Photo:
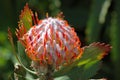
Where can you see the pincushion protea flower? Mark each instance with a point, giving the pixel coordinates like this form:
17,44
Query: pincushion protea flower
51,41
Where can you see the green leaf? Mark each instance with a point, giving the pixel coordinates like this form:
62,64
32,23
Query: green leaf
104,10
22,55
62,78
95,51
83,72
90,70
87,65
23,59
115,40
93,26
26,17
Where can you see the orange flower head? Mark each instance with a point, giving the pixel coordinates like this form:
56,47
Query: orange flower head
51,41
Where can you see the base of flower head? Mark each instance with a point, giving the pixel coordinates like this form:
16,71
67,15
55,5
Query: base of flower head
44,71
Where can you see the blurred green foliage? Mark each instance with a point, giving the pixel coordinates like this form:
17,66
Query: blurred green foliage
94,20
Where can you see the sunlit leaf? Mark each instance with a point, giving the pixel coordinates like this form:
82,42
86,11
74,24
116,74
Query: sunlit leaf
90,70
26,17
88,64
95,51
105,7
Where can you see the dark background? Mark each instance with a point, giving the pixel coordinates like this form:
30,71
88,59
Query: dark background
93,20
